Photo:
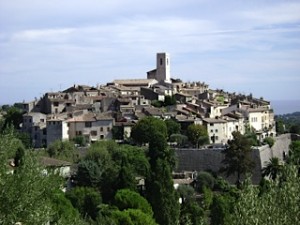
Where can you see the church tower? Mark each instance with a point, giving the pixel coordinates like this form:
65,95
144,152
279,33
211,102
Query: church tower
163,70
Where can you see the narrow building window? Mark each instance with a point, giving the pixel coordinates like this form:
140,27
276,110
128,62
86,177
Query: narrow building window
161,61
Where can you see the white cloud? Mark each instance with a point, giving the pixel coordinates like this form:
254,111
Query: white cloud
42,34
287,12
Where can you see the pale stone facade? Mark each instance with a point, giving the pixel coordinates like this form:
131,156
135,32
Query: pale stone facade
57,129
93,128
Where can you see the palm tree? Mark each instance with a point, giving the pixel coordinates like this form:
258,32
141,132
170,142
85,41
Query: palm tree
272,168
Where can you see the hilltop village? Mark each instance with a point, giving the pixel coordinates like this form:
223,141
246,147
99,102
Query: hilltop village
96,112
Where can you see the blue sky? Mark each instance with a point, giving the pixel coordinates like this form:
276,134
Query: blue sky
239,46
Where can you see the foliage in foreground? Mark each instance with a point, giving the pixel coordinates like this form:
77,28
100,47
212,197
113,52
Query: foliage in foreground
279,205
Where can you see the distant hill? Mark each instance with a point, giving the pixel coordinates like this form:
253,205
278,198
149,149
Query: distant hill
291,121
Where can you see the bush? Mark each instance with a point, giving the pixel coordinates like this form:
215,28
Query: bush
270,141
205,179
80,140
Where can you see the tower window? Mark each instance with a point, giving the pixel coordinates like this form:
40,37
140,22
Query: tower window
161,61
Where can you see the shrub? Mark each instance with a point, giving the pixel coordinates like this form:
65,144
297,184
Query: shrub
270,141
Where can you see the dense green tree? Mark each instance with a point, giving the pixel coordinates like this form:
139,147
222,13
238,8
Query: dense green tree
9,145
251,136
142,132
272,168
169,100
127,199
63,150
156,103
237,156
159,184
25,195
28,192
278,205
86,200
220,209
65,213
121,217
19,156
96,166
13,117
204,179
280,127
80,140
172,127
110,167
186,193
193,214
132,217
294,153
118,133
89,173
25,138
138,217
207,197
295,129
190,211
180,139
197,134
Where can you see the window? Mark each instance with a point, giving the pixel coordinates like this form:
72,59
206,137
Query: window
216,130
161,61
42,120
211,124
216,138
101,129
211,131
108,129
78,133
55,104
88,124
94,133
102,136
56,111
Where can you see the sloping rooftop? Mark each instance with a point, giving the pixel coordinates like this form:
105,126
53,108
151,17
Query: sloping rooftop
213,120
134,81
47,161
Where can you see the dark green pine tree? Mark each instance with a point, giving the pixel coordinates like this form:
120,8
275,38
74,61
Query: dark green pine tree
238,156
159,184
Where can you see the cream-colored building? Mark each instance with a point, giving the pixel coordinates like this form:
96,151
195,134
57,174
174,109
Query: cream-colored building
92,127
259,119
217,130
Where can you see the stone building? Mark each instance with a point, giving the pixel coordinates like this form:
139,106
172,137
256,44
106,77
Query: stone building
57,129
162,73
93,127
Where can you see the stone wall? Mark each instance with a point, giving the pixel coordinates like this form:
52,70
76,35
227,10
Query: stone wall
211,159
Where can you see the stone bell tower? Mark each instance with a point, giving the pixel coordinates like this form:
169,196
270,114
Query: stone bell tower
163,70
